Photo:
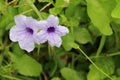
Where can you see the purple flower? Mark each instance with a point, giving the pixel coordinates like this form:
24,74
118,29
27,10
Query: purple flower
24,32
51,31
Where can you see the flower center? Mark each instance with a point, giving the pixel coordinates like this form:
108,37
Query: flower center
51,29
29,30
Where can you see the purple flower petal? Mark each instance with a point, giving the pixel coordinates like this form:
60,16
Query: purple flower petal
54,40
27,44
43,24
31,23
41,37
53,21
24,32
51,32
61,30
19,20
16,33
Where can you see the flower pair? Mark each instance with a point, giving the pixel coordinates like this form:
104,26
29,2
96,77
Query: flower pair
28,30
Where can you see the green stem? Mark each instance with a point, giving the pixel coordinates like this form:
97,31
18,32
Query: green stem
34,8
10,77
45,6
107,55
55,66
44,75
30,10
94,64
38,50
71,28
49,51
102,42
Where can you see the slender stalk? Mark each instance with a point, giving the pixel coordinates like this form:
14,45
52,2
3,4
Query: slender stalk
44,75
13,1
30,10
107,55
38,50
34,8
94,64
55,66
10,77
22,5
102,42
49,51
45,6
71,28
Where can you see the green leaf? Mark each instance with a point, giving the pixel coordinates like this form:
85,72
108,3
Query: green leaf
28,1
94,31
72,11
116,11
118,71
55,10
107,5
11,11
116,77
26,7
8,18
24,64
82,35
45,0
44,15
5,20
55,78
59,5
106,64
73,22
73,15
10,25
74,2
63,19
1,5
99,17
68,42
69,74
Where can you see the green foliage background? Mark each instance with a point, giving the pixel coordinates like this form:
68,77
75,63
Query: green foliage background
94,28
